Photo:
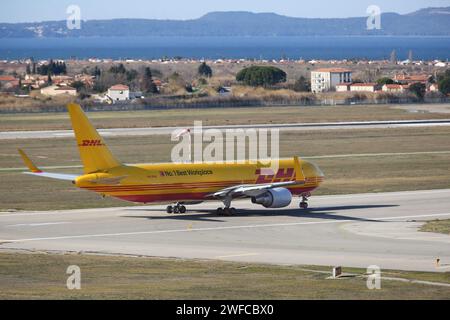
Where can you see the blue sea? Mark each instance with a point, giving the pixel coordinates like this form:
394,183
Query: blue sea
370,47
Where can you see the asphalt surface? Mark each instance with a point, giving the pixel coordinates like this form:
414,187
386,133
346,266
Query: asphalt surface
4,135
349,230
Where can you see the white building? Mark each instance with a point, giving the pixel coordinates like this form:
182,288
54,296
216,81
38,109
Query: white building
326,79
395,88
364,87
119,92
434,87
343,87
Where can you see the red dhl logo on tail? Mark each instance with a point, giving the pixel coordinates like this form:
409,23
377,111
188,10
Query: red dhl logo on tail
283,175
91,143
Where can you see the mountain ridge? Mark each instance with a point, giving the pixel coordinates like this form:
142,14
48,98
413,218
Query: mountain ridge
423,22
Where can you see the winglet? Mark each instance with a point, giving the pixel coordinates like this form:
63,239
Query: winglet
299,175
28,162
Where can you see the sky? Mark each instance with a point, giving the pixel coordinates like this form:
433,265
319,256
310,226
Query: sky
44,10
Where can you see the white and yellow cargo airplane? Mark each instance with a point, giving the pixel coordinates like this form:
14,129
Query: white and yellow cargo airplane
183,183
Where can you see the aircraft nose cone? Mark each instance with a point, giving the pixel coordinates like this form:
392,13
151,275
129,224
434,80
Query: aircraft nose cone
312,171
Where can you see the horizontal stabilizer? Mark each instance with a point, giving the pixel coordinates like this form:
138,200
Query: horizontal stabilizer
35,171
57,176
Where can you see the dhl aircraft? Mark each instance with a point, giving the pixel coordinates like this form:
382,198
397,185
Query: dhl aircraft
182,183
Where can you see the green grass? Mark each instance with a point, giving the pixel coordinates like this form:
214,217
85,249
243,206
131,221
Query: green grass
438,226
43,276
216,116
343,175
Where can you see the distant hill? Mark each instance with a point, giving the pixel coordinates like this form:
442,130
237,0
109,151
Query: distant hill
425,22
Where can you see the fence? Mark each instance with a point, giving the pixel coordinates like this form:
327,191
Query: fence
226,102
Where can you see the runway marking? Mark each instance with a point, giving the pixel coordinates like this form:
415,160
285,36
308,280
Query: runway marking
38,224
376,154
216,228
331,156
384,194
237,255
284,127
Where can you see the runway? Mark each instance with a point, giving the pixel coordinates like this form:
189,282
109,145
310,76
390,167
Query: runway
116,132
349,230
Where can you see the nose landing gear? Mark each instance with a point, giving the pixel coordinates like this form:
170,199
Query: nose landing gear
304,202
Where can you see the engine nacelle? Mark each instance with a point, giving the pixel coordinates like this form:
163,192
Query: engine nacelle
274,198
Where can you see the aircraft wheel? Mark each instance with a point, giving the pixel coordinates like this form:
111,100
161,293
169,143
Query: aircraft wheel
233,211
227,211
169,209
219,211
176,210
304,205
182,209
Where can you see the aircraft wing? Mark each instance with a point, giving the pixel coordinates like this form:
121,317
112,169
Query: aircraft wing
35,171
251,190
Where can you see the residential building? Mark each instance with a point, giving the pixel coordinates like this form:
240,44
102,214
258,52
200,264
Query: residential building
440,64
343,87
326,79
119,92
413,78
395,88
364,87
434,87
9,82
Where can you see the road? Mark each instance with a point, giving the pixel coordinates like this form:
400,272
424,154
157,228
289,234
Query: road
4,135
349,230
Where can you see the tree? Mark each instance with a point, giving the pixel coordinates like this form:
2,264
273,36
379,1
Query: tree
148,86
79,85
131,75
444,86
385,80
444,82
261,76
49,78
118,69
302,85
28,71
418,89
96,72
54,68
205,70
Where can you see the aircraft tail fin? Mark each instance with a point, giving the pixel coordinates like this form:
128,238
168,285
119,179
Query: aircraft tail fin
94,153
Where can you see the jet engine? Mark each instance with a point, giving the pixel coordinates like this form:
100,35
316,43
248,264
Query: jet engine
274,198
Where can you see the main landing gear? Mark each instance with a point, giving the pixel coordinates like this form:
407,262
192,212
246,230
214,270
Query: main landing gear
227,211
178,208
304,202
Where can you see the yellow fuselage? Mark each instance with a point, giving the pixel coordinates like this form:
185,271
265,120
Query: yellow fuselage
170,182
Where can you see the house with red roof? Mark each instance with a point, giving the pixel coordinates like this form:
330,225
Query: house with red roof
119,92
9,82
